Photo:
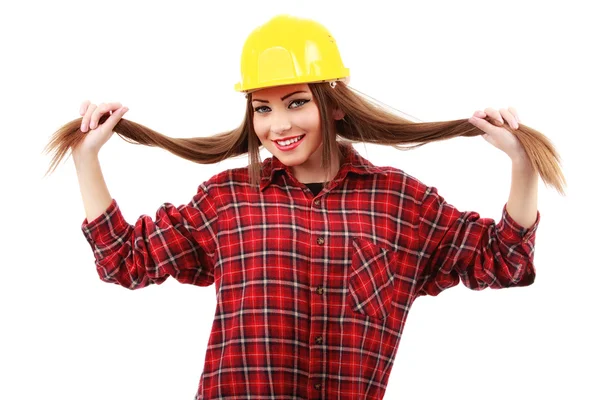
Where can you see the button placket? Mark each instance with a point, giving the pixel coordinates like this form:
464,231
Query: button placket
317,328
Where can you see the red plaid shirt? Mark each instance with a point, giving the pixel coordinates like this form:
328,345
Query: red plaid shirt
312,291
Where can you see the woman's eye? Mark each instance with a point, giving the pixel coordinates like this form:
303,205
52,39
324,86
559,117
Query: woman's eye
257,109
293,104
300,101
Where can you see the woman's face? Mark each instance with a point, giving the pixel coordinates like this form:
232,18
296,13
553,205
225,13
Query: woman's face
288,112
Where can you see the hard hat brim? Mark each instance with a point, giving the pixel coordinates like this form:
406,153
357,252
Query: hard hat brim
238,86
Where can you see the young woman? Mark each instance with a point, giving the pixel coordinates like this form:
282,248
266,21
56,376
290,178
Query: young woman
316,254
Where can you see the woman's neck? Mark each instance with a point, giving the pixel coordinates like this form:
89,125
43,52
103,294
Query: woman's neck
312,172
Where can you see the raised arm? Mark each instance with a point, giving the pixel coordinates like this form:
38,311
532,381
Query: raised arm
94,191
462,246
179,242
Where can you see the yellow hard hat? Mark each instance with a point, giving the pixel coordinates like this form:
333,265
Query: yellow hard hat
287,50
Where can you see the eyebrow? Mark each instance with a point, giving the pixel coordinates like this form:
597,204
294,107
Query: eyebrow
284,97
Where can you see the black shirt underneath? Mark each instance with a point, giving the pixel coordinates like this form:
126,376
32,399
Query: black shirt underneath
315,187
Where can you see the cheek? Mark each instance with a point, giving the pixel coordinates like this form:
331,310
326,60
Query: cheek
260,127
308,120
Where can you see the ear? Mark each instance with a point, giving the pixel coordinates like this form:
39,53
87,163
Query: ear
338,114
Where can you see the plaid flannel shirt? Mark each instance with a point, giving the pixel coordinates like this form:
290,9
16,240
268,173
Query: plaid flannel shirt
312,291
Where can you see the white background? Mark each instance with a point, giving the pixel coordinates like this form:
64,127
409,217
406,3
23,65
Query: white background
67,335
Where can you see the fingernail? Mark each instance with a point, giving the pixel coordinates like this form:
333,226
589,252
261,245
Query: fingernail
83,127
92,125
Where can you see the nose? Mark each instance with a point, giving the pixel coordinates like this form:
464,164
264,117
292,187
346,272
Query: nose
280,123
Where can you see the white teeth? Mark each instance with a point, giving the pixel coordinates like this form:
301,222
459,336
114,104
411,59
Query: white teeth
288,142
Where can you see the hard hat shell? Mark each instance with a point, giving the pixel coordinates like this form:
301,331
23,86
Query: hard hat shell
287,50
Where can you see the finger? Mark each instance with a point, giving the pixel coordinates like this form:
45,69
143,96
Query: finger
83,107
101,110
115,105
494,115
481,123
508,117
114,118
514,112
85,122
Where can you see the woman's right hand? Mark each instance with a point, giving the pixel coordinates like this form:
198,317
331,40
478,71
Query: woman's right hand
97,134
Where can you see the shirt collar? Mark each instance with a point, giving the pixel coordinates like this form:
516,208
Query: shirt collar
352,161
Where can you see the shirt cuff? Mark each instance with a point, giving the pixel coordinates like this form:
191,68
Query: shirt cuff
105,229
514,233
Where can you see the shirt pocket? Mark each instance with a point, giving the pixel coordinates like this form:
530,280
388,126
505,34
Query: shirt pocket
371,279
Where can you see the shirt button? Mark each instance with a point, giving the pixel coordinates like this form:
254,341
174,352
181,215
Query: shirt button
317,202
319,339
320,289
320,240
317,386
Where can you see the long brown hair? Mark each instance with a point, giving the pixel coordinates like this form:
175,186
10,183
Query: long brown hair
364,121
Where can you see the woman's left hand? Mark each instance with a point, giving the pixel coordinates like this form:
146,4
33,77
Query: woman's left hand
495,133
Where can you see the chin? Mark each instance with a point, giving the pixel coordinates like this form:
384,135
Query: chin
291,159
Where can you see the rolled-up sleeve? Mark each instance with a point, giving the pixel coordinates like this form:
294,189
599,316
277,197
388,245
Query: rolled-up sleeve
180,242
461,246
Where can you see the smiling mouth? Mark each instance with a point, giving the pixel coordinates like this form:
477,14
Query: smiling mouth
286,141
